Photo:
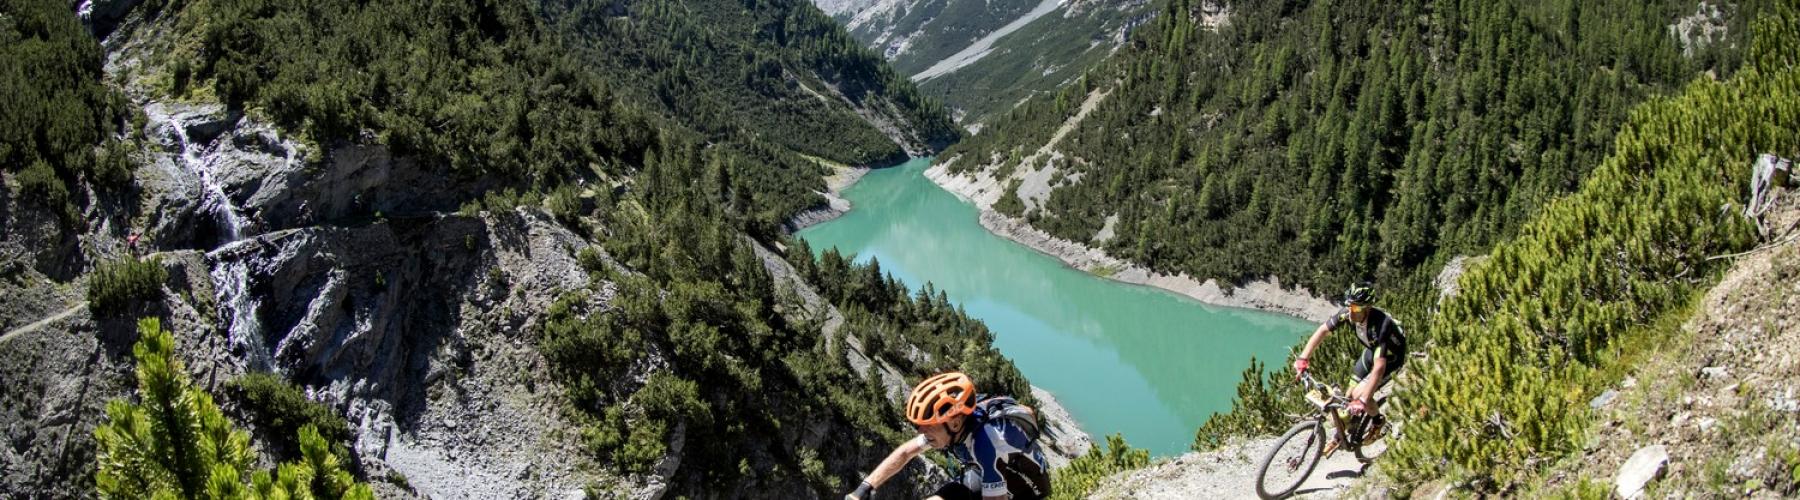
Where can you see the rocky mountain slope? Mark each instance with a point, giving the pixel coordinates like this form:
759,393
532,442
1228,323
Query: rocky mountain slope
1036,60
915,35
428,273
1715,411
983,58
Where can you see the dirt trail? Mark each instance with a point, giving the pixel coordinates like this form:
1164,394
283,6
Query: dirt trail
1228,472
44,322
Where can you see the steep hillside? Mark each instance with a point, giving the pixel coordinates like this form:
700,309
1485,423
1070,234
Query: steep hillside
1325,142
1716,399
982,58
1629,330
517,250
1036,59
913,35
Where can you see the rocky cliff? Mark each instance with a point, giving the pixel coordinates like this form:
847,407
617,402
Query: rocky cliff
371,277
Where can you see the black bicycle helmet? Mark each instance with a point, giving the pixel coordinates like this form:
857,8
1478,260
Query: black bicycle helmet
1360,294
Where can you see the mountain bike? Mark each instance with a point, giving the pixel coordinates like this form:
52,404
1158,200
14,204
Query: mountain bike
1294,456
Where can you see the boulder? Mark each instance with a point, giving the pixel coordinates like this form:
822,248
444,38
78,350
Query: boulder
1603,399
1644,466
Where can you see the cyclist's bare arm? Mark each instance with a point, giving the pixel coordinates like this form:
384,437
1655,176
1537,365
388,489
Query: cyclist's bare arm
1313,343
897,460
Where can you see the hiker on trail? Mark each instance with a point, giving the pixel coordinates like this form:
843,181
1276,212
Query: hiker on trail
131,244
1384,348
994,438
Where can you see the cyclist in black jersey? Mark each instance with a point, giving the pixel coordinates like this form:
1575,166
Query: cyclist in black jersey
1384,345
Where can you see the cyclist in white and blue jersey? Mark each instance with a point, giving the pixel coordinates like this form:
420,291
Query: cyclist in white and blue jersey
994,438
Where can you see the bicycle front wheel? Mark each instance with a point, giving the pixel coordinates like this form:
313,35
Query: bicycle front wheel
1291,459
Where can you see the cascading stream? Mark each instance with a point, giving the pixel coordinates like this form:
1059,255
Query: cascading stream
237,305
230,271
226,215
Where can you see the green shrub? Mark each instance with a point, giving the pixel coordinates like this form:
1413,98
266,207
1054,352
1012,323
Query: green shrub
176,443
119,286
113,167
1787,455
564,204
588,352
57,107
181,75
398,478
669,396
1526,342
590,260
1256,411
1010,203
1086,472
280,409
633,443
813,470
39,182
1584,489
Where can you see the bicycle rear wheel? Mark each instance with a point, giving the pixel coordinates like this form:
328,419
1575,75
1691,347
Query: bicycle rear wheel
1369,450
1291,459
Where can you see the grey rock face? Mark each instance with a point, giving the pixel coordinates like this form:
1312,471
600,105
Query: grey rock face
219,176
188,204
403,325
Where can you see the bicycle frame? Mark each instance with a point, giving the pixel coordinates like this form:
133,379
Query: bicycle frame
1347,432
1332,404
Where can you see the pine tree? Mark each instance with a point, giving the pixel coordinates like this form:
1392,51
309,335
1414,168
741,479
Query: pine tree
175,443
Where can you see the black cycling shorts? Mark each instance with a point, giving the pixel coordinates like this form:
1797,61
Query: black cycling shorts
956,491
1395,361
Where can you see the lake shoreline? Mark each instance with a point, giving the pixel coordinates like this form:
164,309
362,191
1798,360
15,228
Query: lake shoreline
841,178
1063,438
1178,359
1263,295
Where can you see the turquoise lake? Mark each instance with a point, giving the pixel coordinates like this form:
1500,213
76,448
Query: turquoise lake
1122,358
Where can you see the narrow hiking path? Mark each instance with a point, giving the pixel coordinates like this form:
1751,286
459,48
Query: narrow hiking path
1228,472
43,322
69,311
981,48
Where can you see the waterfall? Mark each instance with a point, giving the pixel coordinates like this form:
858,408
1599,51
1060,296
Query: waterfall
225,212
238,307
230,273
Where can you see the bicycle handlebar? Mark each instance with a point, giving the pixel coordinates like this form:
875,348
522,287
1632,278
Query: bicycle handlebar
1332,395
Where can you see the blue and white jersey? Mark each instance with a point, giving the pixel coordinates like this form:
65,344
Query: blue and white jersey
998,450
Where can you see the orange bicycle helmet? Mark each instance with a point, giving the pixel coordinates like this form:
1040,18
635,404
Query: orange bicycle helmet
940,398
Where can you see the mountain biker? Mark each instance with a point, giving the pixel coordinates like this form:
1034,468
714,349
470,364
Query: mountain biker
1384,348
994,438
